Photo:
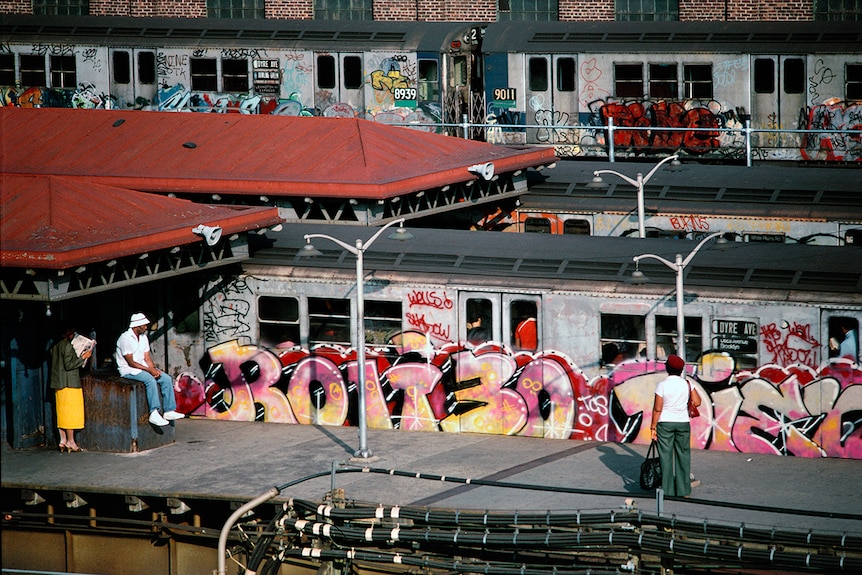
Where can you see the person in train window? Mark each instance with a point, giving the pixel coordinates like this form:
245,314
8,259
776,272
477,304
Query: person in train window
134,362
526,336
848,348
671,428
476,332
66,383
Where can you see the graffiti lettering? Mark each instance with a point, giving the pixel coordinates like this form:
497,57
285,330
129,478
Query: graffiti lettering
430,299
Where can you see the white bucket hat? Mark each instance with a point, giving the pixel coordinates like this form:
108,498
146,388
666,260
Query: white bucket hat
138,319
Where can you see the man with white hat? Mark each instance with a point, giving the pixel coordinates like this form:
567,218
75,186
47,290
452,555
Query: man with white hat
134,362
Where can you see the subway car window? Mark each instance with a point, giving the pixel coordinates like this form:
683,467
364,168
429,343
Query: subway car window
33,70
566,74
665,337
764,75
537,225
853,86
147,67
7,69
525,325
328,321
278,320
326,72
204,74
628,80
382,321
234,75
697,81
844,337
538,73
352,71
623,337
794,76
122,67
662,81
480,313
63,74
576,227
429,80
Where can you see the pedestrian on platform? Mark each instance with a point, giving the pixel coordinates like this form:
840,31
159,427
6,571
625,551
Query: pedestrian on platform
135,362
66,383
671,428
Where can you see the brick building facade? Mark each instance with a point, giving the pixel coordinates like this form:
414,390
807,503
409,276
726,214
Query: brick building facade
442,10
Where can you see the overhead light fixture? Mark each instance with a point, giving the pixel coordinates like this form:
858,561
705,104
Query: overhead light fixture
175,250
216,197
395,200
30,272
211,234
111,263
172,195
143,256
277,228
264,199
353,201
445,188
233,237
420,194
308,200
80,269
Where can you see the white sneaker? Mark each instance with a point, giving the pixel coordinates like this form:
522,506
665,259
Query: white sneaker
157,419
172,415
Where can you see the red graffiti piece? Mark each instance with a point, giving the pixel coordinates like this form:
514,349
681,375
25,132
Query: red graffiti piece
662,114
191,396
795,345
429,298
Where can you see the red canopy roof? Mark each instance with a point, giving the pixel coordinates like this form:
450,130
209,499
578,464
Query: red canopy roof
244,154
56,222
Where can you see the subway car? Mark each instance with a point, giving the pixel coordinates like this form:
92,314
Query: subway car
586,88
528,334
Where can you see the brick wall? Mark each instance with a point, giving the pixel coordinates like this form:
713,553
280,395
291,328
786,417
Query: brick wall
451,10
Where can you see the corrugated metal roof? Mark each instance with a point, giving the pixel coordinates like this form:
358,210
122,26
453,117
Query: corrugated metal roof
245,154
55,222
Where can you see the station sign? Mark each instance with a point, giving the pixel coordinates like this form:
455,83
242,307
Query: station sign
734,335
267,76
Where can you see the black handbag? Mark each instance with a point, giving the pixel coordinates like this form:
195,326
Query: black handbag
651,469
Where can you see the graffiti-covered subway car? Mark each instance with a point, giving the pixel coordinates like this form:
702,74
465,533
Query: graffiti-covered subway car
568,347
669,76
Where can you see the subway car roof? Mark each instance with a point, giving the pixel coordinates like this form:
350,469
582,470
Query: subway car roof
335,35
530,261
764,190
674,37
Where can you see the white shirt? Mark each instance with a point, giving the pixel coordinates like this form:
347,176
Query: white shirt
674,393
138,347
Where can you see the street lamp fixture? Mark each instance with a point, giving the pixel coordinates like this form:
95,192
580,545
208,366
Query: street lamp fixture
639,182
358,250
678,265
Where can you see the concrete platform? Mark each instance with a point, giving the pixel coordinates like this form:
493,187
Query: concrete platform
237,461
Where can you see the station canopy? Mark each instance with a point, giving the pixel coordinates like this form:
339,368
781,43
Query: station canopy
336,170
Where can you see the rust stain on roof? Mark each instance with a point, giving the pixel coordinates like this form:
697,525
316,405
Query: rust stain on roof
244,154
57,222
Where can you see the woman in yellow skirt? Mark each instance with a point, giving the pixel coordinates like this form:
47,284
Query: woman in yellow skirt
66,381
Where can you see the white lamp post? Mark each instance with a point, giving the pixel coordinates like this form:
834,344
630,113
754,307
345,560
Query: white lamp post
678,265
638,183
358,250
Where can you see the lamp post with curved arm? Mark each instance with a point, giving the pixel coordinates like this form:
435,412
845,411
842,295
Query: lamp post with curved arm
678,265
639,182
358,250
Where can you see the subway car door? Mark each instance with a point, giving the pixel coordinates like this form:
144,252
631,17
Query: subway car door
551,98
778,96
133,77
338,82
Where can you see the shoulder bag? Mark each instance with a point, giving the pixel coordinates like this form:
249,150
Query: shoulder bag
651,469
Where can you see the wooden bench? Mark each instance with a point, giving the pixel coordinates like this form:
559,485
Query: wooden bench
116,416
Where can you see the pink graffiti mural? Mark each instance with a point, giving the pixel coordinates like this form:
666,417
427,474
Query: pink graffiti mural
782,409
792,343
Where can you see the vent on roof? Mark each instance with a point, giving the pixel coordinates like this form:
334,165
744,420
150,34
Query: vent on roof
706,275
731,37
91,31
126,31
63,30
256,34
155,32
318,35
355,36
186,33
833,281
587,38
478,264
549,37
621,37
845,37
767,37
287,35
389,37
796,196
772,278
656,37
544,268
428,262
220,34
691,37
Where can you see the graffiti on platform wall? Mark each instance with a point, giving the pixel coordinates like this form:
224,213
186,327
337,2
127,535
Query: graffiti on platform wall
783,409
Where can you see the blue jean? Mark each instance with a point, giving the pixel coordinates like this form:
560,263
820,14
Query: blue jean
674,452
153,385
